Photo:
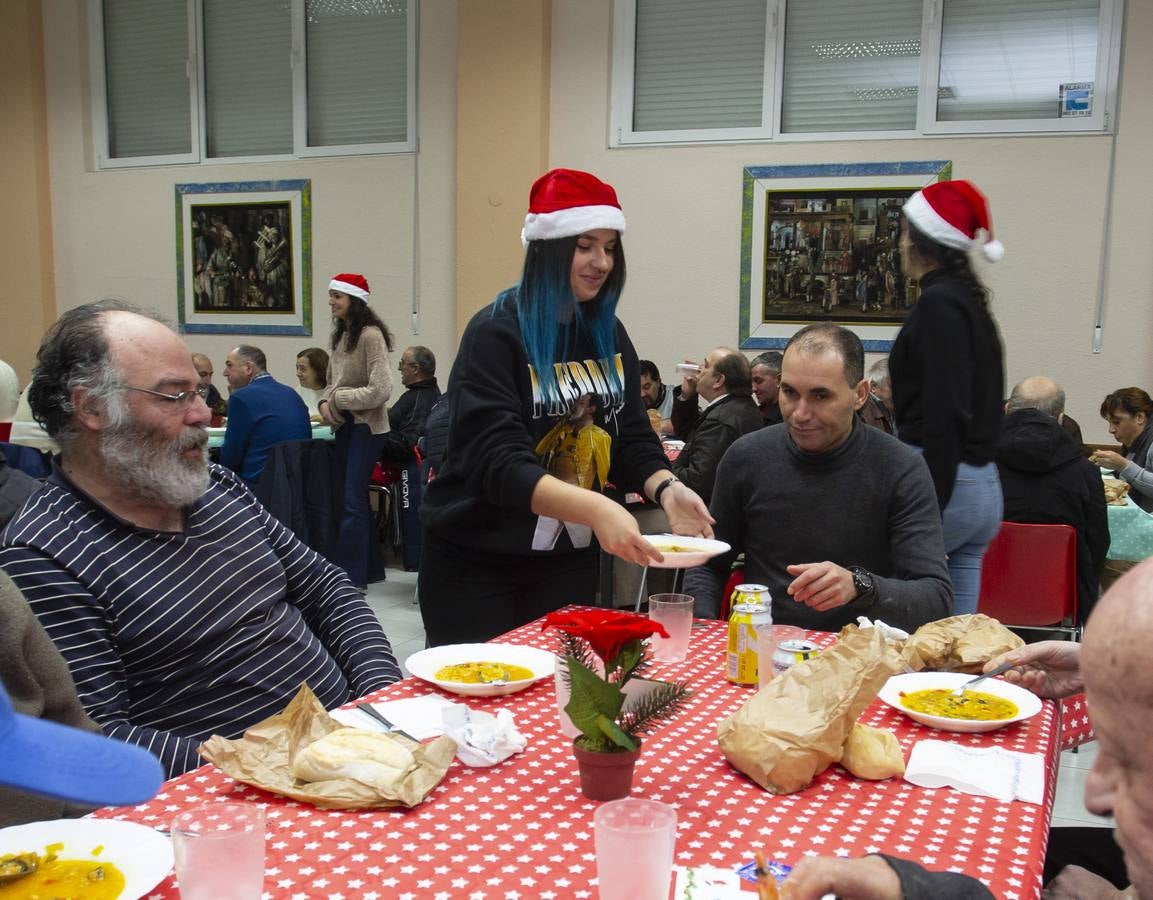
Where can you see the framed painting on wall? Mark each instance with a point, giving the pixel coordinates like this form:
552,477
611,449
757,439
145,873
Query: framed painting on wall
244,257
819,244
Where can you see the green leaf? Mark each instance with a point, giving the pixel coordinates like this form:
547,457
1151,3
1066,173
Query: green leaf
628,658
613,732
591,698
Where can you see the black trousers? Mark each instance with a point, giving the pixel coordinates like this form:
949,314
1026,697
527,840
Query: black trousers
468,596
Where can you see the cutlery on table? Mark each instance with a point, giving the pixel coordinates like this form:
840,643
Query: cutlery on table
369,710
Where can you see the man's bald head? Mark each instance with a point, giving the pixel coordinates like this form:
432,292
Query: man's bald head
1115,662
1038,392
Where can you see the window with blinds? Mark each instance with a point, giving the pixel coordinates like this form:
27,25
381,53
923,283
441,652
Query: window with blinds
357,72
252,79
146,69
762,70
1008,60
699,65
851,67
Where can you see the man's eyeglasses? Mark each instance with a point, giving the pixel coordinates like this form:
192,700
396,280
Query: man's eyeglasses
183,400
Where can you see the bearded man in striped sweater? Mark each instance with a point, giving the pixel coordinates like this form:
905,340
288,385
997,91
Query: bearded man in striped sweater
182,607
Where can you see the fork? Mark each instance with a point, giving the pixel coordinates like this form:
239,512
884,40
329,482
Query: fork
967,685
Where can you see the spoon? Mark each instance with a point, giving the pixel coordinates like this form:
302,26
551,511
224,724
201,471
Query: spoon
967,685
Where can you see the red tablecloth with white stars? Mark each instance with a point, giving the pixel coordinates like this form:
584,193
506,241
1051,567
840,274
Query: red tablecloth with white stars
523,829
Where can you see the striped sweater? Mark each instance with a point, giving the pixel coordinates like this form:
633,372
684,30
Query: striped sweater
174,637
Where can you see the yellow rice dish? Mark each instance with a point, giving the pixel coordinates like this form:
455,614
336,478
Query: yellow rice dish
60,879
483,673
972,705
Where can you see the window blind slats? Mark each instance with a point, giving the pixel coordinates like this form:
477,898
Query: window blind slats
357,73
248,77
851,67
1008,61
146,77
699,65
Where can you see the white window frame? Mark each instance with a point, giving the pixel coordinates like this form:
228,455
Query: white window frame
198,113
621,133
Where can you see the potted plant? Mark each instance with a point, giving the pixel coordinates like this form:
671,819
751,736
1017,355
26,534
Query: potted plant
603,651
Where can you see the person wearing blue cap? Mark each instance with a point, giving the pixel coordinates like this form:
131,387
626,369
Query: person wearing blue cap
53,760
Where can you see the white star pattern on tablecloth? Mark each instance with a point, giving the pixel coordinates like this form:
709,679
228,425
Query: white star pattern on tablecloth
522,829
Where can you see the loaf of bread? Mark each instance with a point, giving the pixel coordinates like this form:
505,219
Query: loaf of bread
367,756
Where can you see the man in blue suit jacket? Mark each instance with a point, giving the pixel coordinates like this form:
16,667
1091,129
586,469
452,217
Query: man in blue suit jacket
262,413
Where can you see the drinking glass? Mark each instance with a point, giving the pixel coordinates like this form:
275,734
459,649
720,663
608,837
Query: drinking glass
768,638
219,849
675,613
634,844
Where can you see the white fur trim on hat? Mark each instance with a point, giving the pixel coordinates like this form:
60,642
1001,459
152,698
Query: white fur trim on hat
928,221
351,289
570,222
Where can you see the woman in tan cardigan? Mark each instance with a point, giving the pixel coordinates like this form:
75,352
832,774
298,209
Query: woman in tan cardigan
359,385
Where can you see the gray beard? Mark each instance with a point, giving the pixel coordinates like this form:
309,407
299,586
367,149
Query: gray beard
153,471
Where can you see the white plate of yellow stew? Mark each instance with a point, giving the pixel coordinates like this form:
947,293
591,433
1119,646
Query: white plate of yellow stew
927,697
481,670
98,859
682,552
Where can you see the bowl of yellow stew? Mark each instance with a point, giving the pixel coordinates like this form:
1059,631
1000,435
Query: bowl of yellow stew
927,697
481,670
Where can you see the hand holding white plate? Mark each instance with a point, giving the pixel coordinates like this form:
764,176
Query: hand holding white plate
683,552
424,664
1027,703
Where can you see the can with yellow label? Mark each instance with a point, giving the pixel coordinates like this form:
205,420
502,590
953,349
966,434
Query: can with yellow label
750,613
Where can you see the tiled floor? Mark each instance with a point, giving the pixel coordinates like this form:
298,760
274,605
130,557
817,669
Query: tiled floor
394,602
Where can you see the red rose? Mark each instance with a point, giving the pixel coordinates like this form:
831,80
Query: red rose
606,630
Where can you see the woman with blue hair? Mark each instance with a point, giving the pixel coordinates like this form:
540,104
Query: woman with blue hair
510,517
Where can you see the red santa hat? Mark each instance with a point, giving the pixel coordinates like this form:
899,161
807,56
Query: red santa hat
565,203
352,284
954,213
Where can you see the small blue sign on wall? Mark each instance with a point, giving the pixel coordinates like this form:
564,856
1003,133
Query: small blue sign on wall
1076,99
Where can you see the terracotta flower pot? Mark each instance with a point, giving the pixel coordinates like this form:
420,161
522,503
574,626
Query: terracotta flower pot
606,776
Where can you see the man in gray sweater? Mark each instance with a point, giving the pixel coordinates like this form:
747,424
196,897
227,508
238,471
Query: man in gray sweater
838,519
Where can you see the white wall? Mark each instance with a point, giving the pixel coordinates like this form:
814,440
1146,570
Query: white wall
114,230
683,206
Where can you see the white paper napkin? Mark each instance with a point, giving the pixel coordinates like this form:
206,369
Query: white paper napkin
482,739
891,632
419,716
986,771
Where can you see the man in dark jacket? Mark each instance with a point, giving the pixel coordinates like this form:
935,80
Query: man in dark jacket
407,417
725,384
1046,480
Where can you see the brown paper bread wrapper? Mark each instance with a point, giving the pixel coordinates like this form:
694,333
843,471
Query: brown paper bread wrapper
263,757
795,726
959,644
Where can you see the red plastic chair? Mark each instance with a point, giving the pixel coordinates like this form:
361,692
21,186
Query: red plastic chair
737,576
1029,578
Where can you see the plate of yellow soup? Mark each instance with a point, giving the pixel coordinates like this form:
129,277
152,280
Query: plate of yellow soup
927,697
481,670
98,859
682,552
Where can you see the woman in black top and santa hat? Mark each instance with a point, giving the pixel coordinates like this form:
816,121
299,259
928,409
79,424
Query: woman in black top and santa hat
509,519
947,372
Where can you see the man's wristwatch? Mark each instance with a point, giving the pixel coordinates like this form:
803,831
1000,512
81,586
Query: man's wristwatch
863,582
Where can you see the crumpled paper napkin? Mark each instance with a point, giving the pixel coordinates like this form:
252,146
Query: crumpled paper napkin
986,771
891,632
482,739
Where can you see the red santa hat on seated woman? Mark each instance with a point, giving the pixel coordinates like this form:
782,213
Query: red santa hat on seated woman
352,284
565,203
954,213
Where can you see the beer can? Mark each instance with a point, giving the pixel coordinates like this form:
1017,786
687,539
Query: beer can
789,653
750,613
